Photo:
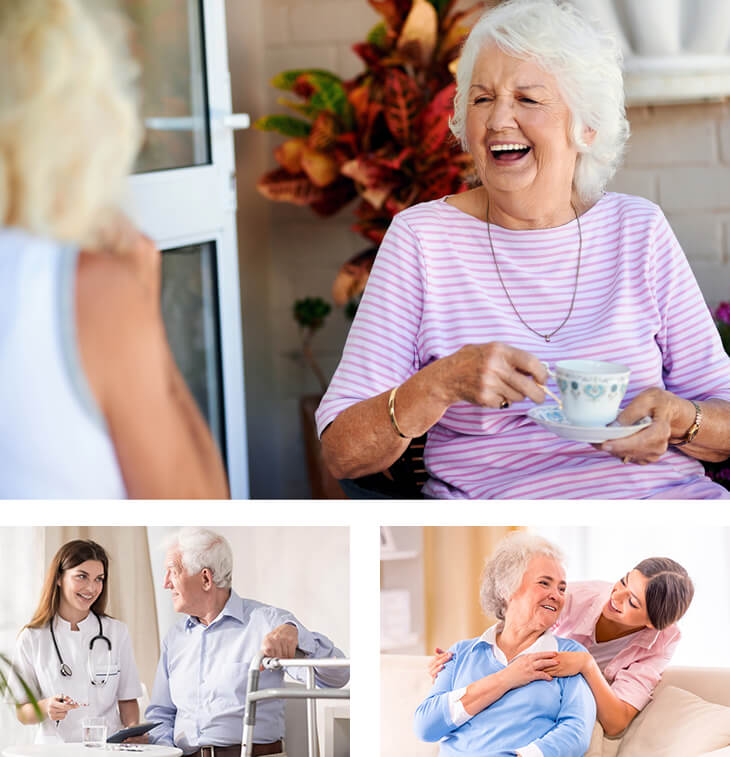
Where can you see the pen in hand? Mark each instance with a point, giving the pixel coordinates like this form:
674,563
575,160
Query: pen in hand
59,698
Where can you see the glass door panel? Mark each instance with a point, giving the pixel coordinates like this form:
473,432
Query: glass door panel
167,43
190,312
190,211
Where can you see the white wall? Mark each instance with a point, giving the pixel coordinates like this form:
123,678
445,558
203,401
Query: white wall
302,569
608,552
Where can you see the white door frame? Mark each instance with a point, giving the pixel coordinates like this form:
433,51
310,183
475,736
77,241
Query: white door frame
197,205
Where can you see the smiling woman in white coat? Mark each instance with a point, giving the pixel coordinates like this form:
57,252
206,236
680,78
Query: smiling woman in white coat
77,659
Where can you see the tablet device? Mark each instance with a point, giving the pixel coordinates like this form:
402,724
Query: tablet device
128,733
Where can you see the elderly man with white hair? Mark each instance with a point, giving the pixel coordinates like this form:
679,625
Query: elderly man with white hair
200,685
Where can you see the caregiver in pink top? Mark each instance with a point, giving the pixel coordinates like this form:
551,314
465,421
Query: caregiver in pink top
629,629
469,293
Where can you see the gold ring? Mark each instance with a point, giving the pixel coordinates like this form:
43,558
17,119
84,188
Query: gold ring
504,404
626,459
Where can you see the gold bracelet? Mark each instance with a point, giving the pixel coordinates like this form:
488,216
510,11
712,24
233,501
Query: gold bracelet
391,413
692,430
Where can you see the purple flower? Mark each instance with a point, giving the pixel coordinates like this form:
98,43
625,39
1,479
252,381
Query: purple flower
722,314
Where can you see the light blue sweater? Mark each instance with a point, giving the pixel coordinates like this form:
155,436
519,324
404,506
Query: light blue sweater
555,716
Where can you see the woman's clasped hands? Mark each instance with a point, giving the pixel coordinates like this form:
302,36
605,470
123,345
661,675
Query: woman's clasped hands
529,667
493,375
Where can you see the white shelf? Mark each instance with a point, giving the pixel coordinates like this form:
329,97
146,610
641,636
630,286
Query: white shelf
389,645
398,554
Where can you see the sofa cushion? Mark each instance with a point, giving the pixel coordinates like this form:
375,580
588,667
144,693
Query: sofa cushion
677,723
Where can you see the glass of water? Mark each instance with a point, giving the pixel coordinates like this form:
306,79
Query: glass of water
93,732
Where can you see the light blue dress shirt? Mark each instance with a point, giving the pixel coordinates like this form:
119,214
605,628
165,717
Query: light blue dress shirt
199,692
549,718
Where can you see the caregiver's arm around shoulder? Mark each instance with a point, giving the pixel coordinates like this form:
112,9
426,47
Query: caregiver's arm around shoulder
164,447
363,438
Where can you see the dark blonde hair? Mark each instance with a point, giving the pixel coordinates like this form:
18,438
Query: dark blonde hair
70,555
669,590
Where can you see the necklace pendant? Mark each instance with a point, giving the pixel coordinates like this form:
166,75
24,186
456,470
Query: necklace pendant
546,337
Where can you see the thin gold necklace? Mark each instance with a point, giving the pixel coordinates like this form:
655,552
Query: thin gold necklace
546,337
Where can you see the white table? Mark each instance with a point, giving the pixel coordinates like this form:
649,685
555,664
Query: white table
79,750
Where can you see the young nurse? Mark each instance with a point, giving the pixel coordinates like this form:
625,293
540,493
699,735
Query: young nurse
629,629
74,657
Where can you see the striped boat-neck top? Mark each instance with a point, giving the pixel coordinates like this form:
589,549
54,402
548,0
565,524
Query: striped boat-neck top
434,288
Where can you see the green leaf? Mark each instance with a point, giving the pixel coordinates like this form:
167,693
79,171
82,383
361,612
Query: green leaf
286,125
378,35
311,312
7,693
331,96
440,5
304,109
285,80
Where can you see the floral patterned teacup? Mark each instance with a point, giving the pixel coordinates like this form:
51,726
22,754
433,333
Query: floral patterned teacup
591,390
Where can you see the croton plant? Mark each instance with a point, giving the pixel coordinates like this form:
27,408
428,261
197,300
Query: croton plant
382,137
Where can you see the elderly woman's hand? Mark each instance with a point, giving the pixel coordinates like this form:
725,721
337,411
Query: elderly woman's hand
490,374
437,662
568,664
529,667
671,417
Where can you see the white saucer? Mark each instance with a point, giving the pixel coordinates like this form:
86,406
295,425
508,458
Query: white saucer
551,417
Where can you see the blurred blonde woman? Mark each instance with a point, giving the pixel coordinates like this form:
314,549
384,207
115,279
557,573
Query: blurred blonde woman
91,401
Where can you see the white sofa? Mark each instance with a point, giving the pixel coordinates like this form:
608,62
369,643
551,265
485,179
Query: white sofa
404,683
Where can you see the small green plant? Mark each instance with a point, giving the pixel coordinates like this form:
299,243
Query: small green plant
310,313
7,695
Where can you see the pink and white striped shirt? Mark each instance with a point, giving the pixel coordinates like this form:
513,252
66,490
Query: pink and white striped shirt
635,670
434,289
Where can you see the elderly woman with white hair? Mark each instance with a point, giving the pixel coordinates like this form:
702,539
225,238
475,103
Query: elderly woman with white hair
495,697
469,294
91,401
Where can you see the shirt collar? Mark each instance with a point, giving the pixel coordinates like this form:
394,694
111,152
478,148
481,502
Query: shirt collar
233,608
63,625
545,643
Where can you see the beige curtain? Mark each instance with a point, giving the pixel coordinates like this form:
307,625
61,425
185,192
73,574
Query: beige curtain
453,559
130,588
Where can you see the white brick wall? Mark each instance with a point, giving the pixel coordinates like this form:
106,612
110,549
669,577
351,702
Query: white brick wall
679,157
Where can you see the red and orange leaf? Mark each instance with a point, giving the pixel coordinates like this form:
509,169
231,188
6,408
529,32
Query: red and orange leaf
402,102
289,154
281,186
419,34
393,11
324,131
435,120
334,197
370,54
321,167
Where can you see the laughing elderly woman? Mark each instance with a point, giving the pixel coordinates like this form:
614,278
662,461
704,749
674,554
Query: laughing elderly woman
496,697
470,293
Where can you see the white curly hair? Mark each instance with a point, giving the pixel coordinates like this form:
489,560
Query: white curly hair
202,548
504,570
586,64
69,123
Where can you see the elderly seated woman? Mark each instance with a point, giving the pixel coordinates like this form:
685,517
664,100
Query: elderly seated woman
470,293
496,697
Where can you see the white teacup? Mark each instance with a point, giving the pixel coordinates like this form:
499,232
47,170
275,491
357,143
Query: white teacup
591,390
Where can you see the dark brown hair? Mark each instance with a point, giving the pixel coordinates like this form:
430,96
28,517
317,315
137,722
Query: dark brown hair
669,590
70,555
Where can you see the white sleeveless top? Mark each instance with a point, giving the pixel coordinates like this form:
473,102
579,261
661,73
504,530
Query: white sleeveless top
54,442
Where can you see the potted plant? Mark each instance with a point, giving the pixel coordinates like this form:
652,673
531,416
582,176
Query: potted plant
381,138
10,682
310,313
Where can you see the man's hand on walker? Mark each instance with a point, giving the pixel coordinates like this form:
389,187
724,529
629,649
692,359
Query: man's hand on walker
281,642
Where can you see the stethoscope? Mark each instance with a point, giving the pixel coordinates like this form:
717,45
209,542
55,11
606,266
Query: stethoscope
66,671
